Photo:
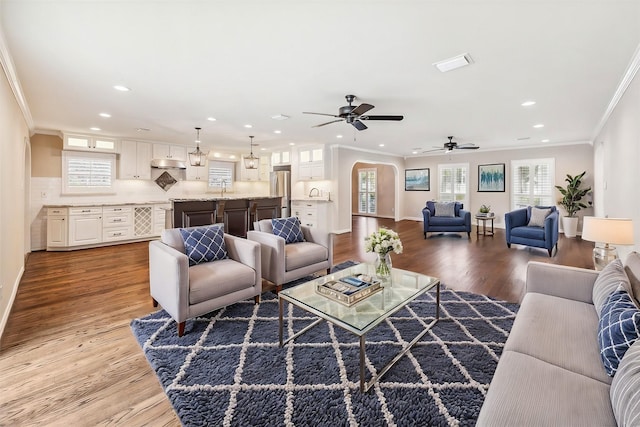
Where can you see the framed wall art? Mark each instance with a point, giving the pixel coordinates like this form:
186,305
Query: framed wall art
417,180
491,178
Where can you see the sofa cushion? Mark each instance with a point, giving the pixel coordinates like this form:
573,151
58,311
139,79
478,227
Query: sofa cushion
526,391
288,228
526,232
632,269
537,217
445,221
446,209
431,205
611,276
303,254
618,329
214,279
204,244
572,347
625,388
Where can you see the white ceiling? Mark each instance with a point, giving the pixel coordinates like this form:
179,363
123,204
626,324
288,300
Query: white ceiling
243,62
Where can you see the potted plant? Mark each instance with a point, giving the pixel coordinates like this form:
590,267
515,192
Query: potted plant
571,196
485,209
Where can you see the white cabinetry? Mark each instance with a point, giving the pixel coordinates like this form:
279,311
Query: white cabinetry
281,158
143,221
311,164
85,225
135,160
159,217
260,174
57,229
312,213
90,143
117,223
165,151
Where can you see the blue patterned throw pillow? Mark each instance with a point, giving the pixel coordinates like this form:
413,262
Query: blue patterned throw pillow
288,228
618,329
204,244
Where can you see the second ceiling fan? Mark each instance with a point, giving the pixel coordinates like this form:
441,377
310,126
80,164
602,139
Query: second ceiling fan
452,145
354,115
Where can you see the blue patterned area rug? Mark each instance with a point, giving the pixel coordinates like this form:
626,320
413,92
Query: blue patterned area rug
229,370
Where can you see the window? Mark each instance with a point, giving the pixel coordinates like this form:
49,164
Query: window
532,182
88,173
367,191
453,183
220,175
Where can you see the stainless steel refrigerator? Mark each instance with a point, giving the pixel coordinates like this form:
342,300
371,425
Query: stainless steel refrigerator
281,186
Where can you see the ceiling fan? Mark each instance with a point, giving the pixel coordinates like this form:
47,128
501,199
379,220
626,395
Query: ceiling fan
452,145
354,115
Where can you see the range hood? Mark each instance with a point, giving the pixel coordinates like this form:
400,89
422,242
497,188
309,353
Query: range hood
168,164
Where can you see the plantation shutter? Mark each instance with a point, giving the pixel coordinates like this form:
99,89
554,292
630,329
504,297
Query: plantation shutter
219,173
453,183
367,191
88,172
532,183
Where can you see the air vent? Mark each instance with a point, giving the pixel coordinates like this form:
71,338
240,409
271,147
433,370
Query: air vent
453,63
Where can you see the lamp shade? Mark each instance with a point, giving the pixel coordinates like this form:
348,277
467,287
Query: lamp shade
615,231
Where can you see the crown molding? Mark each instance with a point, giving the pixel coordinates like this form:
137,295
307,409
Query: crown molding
14,83
629,75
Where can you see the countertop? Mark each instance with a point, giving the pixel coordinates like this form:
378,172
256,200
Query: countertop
85,204
312,199
209,199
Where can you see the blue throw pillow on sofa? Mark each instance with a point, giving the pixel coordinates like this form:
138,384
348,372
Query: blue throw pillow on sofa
204,244
288,228
618,329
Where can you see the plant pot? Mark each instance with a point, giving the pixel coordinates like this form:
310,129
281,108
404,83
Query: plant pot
570,226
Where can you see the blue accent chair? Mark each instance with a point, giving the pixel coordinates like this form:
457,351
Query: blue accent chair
520,233
461,222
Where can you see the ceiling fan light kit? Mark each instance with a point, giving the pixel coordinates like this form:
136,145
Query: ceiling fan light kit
354,115
251,162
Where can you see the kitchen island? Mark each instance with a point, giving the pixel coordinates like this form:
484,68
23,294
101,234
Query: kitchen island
236,213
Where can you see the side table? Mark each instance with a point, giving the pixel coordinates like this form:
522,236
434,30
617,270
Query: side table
484,220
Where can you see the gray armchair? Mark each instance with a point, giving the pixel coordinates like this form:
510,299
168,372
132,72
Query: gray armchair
282,263
188,291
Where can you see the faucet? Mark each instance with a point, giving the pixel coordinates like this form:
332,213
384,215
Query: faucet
223,186
317,192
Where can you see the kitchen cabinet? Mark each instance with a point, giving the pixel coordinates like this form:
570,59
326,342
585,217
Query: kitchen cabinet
281,158
192,213
135,160
143,217
311,164
85,226
263,209
90,143
166,151
57,227
312,213
159,218
235,216
260,174
117,223
265,168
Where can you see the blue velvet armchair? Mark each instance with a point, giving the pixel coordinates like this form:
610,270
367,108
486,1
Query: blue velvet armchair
519,232
433,223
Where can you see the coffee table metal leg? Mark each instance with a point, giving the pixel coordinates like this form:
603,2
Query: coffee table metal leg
366,386
280,319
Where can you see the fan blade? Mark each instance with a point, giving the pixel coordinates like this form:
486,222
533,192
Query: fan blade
394,118
361,109
435,149
320,114
328,123
359,125
467,147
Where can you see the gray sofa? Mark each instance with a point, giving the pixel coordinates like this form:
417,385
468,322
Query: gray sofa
550,371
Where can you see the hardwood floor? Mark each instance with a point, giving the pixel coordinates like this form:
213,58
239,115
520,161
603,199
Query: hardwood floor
68,356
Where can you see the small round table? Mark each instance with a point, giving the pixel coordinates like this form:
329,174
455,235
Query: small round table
484,219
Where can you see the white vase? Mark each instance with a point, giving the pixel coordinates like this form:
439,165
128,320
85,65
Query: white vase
570,226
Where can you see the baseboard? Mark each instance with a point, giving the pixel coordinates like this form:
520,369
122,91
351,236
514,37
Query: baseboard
12,298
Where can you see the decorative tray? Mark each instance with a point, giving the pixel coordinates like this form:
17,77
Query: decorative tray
349,290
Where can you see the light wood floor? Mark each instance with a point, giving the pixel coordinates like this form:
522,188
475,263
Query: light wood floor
68,356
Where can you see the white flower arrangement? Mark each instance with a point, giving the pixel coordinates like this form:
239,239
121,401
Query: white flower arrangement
383,241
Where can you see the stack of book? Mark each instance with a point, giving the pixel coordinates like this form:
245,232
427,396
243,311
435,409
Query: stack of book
485,214
349,290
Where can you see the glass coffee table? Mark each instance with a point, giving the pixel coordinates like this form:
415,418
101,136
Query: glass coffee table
362,317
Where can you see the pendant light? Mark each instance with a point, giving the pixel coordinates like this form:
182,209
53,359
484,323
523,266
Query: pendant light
252,161
197,158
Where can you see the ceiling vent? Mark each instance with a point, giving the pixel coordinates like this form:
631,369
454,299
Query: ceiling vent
453,63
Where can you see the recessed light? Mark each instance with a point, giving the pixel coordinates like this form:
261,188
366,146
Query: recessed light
453,63
414,152
232,156
263,149
95,128
380,145
217,155
211,119
248,126
545,140
105,115
528,103
279,117
277,131
538,126
121,88
292,143
338,136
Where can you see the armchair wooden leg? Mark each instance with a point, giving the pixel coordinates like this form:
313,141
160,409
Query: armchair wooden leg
278,288
155,303
181,329
329,270
469,235
256,299
425,234
509,245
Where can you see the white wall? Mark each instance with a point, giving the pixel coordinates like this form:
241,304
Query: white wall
617,164
13,137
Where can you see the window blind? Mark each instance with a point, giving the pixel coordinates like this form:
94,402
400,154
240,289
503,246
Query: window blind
88,172
220,173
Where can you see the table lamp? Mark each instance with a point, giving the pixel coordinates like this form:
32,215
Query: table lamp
610,231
